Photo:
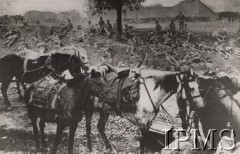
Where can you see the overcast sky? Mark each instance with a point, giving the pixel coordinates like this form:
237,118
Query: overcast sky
21,6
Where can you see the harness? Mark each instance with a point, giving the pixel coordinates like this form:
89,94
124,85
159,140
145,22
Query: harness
184,85
189,98
228,93
47,64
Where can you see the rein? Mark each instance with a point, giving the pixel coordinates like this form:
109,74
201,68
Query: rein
142,81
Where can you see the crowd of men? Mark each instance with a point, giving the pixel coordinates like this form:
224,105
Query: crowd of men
172,41
169,39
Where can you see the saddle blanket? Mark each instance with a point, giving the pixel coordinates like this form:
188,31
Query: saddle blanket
45,93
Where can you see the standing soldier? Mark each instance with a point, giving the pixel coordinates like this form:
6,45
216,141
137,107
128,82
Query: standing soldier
109,29
158,27
172,27
69,25
181,19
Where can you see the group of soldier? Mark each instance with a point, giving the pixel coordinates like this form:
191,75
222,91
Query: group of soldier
101,27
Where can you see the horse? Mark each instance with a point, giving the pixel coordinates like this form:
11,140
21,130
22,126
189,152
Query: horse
156,87
28,70
139,98
71,100
222,105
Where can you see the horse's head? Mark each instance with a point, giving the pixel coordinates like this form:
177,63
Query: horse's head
155,87
188,89
82,55
75,58
151,88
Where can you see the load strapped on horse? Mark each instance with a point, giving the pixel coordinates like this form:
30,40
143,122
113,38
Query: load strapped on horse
137,96
30,70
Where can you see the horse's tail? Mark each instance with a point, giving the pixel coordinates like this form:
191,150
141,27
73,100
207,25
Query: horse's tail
28,94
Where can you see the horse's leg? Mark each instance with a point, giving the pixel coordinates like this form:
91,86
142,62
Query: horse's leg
88,115
35,128
19,90
101,128
142,142
4,89
182,112
72,132
60,128
42,126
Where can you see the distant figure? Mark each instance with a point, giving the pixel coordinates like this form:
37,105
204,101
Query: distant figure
172,26
11,36
181,19
115,26
101,24
69,25
109,29
90,27
126,31
219,36
158,28
238,34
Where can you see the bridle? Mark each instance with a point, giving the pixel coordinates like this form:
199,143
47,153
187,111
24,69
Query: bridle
142,81
184,85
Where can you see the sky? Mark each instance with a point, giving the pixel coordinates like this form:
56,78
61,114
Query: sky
12,7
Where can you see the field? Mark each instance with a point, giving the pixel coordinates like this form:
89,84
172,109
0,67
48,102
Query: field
16,130
199,27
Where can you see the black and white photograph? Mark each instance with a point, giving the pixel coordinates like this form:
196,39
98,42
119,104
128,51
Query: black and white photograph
120,76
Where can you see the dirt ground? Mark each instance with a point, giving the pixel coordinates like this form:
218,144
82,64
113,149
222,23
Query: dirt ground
16,135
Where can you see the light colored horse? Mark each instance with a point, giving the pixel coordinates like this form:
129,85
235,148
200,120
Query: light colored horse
156,87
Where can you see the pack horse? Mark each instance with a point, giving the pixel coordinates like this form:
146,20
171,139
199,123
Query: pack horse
29,70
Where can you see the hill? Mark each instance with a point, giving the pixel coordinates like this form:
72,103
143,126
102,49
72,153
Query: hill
51,18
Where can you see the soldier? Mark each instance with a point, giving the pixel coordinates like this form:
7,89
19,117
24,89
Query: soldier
90,27
172,27
69,25
219,36
158,28
126,31
181,19
11,37
109,29
101,24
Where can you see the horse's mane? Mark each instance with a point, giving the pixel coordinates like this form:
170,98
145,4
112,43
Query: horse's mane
231,83
165,80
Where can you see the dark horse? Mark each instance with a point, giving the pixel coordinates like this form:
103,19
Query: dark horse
72,100
28,71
